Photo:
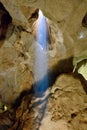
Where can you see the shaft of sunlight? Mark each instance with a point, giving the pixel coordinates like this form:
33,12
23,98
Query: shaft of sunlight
41,59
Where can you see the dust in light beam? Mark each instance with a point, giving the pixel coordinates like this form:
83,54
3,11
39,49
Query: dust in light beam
41,59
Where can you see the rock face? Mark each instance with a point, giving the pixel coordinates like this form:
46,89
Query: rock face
71,18
15,73
63,105
20,15
66,107
64,13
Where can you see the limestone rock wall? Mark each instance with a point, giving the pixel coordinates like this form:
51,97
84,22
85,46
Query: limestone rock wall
15,73
67,15
64,104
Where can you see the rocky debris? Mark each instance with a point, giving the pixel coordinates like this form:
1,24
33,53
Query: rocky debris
68,102
65,106
72,94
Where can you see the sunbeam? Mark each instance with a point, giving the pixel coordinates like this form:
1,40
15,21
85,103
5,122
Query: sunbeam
41,59
41,69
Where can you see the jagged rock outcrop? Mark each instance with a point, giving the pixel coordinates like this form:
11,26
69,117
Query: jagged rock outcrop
15,73
63,105
68,15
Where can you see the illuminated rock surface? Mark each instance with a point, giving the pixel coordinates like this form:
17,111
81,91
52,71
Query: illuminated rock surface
63,105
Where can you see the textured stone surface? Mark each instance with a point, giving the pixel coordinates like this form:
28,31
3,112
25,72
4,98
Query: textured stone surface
20,15
68,15
63,105
65,14
66,108
15,74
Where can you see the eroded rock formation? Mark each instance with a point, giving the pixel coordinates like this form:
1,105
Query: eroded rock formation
63,105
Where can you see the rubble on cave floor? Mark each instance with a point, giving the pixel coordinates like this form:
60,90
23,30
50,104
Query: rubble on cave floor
64,107
63,104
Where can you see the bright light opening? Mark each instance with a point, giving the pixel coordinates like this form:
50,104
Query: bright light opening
41,59
41,31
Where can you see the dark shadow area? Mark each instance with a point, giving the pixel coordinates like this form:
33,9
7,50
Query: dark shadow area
63,66
5,20
73,115
35,14
6,120
84,20
4,127
19,99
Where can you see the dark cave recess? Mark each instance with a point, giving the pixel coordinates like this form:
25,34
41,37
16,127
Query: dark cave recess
5,20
